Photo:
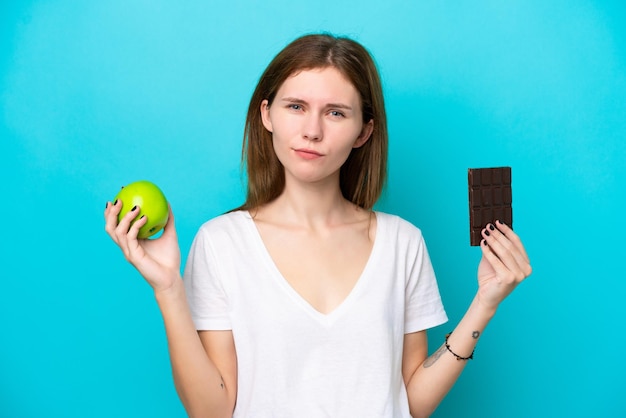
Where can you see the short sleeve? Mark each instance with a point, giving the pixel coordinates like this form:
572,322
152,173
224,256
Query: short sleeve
423,306
206,296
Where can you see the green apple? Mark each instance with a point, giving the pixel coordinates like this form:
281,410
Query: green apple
152,203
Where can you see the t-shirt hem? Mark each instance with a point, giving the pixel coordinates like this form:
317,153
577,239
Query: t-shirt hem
212,325
422,324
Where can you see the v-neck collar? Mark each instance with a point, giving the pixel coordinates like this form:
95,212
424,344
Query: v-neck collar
324,318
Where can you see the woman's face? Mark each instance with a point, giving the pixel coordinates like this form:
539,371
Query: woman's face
315,120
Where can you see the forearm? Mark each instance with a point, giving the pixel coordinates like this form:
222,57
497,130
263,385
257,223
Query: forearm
197,379
434,378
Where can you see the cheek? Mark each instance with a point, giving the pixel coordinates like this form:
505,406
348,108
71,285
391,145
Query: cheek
349,135
282,128
281,148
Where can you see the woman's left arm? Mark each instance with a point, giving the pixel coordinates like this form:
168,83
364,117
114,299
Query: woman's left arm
503,266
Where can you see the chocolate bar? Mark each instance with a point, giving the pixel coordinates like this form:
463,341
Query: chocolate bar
490,198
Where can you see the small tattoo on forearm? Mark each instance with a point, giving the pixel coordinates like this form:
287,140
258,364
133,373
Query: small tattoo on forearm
475,335
434,357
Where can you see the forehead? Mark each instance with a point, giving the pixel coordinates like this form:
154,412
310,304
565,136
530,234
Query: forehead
320,83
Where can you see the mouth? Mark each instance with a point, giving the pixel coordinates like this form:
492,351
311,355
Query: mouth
307,154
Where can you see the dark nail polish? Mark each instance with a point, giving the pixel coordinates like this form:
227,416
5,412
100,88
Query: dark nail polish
492,227
484,242
142,216
115,203
487,232
107,205
133,209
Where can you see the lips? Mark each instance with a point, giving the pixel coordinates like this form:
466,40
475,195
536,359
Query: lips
307,154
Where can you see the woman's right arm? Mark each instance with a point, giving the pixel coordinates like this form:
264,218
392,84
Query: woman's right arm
203,364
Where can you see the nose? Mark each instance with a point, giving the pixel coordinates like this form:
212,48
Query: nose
312,128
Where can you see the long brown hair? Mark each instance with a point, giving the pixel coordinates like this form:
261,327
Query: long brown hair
363,175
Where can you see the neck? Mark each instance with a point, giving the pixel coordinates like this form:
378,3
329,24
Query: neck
311,205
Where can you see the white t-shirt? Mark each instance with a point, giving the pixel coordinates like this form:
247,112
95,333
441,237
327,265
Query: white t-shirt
294,361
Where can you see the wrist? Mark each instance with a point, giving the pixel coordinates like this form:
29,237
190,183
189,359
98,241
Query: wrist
174,291
483,311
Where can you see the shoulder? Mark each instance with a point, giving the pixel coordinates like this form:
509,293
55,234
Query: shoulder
398,226
227,225
224,234
227,220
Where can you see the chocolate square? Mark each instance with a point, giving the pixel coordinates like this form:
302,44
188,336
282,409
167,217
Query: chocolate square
490,199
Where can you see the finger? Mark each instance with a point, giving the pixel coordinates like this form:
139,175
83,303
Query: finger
515,246
123,229
502,272
133,231
513,237
125,223
111,213
132,242
520,256
496,235
510,269
170,226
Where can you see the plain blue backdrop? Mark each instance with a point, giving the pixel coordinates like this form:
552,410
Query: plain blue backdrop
96,94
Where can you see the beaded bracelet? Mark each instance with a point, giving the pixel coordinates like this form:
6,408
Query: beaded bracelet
471,356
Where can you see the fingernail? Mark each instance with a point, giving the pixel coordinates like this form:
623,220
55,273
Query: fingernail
500,222
487,232
484,242
107,205
492,227
115,203
142,216
134,208
122,187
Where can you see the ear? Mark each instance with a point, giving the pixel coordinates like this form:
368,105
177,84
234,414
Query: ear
366,133
265,115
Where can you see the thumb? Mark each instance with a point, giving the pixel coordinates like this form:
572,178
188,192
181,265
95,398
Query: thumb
170,227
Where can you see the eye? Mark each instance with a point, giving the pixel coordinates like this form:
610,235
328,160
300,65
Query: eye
337,113
294,106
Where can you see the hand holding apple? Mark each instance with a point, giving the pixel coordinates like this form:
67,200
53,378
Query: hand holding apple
158,260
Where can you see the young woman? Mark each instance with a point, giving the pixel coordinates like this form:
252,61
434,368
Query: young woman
304,302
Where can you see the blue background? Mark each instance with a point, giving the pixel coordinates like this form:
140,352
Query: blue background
96,94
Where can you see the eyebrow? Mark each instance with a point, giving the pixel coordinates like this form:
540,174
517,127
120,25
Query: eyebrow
301,101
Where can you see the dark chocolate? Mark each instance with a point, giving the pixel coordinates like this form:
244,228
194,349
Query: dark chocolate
490,199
